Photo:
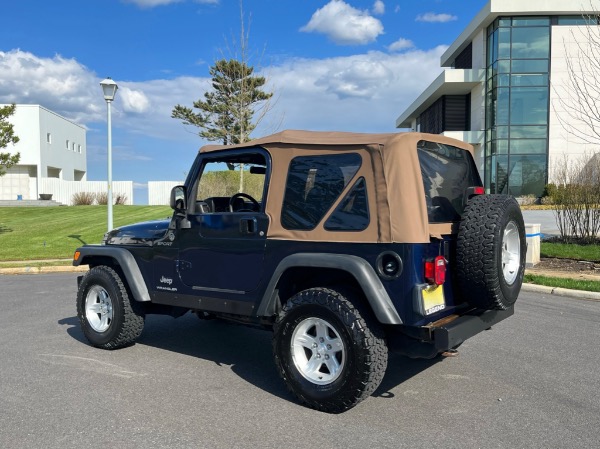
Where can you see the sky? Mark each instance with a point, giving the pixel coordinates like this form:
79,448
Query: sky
335,65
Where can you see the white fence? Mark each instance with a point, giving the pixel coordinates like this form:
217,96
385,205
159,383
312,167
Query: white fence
63,191
159,192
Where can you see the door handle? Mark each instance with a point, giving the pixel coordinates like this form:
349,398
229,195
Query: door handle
248,225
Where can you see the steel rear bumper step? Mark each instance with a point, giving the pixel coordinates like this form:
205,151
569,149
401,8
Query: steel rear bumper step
452,331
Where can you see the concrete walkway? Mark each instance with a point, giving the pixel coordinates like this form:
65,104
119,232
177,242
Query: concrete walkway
545,218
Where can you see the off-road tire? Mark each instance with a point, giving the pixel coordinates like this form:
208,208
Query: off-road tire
365,351
127,316
487,243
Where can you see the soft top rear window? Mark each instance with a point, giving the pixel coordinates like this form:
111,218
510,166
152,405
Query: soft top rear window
447,173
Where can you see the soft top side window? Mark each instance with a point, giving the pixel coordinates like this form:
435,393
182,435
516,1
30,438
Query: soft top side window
352,213
313,184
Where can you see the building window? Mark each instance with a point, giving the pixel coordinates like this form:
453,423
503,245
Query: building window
79,149
48,138
73,147
577,20
465,59
67,144
449,113
517,105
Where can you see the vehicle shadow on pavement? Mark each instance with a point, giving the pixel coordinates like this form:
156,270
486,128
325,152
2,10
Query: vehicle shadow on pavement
245,351
74,330
399,370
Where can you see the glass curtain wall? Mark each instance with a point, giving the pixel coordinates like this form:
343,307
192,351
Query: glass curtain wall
517,101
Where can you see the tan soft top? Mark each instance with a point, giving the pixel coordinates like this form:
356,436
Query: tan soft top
293,136
390,167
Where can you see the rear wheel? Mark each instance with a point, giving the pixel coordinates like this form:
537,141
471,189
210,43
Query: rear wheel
109,317
330,355
491,251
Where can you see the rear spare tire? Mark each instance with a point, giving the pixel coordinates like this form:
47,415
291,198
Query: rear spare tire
491,252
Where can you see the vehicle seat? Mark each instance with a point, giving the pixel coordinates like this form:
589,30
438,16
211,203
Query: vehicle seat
218,203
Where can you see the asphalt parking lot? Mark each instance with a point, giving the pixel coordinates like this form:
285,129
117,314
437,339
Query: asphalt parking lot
530,382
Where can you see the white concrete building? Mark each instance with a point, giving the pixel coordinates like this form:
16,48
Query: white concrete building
50,147
505,86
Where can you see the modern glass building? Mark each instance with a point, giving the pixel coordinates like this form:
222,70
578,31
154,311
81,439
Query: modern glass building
500,89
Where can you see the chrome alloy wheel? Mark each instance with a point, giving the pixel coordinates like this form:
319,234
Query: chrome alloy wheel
511,253
318,351
98,308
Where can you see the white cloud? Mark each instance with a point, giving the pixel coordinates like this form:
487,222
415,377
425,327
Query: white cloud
358,77
363,93
378,8
344,24
60,84
154,3
432,17
134,100
401,44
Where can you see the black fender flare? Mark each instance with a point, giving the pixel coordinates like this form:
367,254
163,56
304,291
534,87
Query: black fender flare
359,268
124,259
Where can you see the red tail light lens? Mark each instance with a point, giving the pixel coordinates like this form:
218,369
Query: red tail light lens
435,270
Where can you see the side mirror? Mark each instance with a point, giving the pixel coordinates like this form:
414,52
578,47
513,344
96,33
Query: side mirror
178,199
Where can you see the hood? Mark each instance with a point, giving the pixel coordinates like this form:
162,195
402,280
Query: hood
144,233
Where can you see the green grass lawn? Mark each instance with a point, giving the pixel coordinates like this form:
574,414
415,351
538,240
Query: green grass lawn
28,233
570,251
573,284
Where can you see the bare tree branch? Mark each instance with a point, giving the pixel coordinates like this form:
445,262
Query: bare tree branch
581,101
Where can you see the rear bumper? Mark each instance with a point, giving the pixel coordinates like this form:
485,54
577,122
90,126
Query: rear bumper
451,334
447,333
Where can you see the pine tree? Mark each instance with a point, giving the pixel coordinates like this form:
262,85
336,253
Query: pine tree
227,111
7,136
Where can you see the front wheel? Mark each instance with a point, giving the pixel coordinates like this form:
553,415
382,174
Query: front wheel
109,317
330,355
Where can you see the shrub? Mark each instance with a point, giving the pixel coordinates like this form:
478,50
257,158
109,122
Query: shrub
83,199
120,199
549,190
102,198
527,200
547,200
577,197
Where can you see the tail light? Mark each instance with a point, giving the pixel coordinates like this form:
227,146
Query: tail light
471,192
435,270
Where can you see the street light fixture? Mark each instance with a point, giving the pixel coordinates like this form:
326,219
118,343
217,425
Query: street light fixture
109,88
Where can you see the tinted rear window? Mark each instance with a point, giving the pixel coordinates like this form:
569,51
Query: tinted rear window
447,172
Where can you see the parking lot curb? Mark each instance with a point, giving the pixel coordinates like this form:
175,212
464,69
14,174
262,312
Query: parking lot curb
558,291
45,269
